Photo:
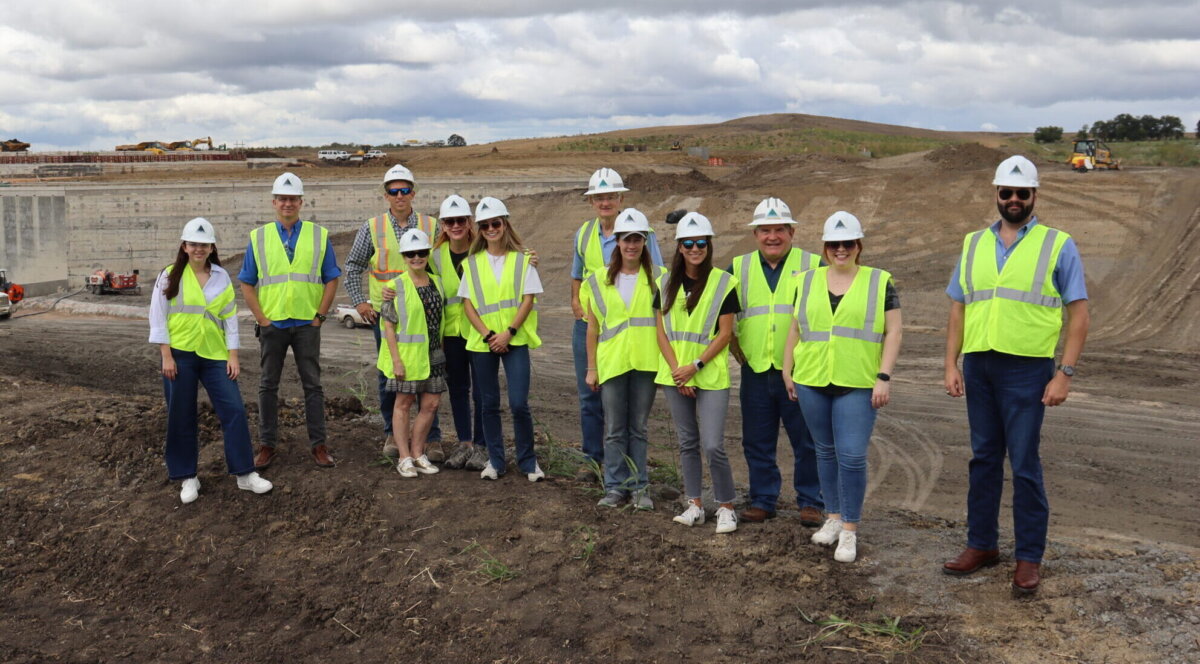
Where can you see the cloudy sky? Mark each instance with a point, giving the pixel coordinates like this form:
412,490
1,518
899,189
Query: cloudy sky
80,74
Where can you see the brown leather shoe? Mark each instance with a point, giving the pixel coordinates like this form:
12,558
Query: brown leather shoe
811,517
264,457
971,561
321,455
1026,578
755,515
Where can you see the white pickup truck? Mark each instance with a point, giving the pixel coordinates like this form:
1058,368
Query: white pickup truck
349,317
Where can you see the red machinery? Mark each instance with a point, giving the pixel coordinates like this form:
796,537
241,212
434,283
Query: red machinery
107,282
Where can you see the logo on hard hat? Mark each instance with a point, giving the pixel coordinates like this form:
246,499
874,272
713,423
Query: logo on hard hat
692,223
1016,170
840,224
484,206
288,181
603,183
202,229
772,213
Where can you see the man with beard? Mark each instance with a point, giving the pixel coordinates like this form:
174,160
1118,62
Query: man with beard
1008,291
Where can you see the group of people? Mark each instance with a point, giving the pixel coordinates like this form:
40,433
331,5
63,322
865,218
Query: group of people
453,298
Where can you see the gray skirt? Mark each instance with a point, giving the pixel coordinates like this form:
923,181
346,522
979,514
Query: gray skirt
434,384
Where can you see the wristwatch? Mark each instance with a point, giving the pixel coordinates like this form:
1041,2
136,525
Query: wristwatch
883,376
699,364
321,317
512,331
1068,370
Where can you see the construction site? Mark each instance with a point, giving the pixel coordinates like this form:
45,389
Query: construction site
101,563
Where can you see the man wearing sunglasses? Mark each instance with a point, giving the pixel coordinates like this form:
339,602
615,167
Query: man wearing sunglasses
376,253
1008,291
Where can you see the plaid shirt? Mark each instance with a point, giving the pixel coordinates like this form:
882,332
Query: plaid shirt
358,262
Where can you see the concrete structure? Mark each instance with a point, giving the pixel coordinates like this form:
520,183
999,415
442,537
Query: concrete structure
54,236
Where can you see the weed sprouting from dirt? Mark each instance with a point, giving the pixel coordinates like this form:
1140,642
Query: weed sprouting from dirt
585,538
886,634
558,457
489,566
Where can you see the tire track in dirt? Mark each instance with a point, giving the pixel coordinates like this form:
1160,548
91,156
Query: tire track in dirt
921,467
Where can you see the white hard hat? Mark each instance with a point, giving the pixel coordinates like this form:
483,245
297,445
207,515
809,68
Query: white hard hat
1016,171
199,230
693,224
842,226
399,172
414,239
772,211
490,208
454,206
631,220
288,184
605,181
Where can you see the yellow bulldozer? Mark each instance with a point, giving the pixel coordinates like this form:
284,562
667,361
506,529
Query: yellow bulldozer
1090,154
145,146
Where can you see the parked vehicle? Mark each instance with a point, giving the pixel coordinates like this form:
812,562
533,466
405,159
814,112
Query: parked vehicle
376,154
349,317
333,155
107,282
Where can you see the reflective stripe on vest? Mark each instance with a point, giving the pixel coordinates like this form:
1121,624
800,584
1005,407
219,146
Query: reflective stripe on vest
188,320
766,316
606,332
691,343
484,307
1033,295
412,331
710,320
836,348
387,263
496,310
865,333
313,276
284,290
450,280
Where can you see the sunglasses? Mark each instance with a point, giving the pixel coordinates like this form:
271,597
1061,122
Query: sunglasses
841,244
419,253
1022,194
494,223
456,221
400,191
688,244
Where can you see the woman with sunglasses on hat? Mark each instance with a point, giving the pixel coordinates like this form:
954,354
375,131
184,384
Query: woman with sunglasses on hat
695,313
193,319
411,355
622,357
845,338
499,284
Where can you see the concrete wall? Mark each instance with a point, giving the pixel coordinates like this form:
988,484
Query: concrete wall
59,235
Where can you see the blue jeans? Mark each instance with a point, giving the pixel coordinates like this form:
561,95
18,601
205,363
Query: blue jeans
627,401
387,400
765,403
487,379
591,408
461,383
1005,411
841,429
182,449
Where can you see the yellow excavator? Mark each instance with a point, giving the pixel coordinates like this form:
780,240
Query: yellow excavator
145,146
1090,154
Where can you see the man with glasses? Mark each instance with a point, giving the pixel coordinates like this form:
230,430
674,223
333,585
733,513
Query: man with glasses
289,277
376,252
1008,291
594,245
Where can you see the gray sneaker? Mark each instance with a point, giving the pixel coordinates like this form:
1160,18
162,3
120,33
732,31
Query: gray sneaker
435,452
611,499
479,458
389,448
458,459
640,500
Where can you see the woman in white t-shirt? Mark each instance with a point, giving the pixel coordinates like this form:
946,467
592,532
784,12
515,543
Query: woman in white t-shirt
622,353
498,288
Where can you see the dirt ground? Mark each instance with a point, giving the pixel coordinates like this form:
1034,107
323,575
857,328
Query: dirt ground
100,563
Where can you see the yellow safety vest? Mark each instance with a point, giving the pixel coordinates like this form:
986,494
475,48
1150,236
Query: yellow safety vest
412,331
844,347
387,263
289,289
690,334
1016,310
766,317
497,302
587,243
628,338
196,325
454,317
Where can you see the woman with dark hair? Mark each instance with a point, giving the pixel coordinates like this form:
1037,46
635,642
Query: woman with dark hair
622,357
846,337
695,325
193,319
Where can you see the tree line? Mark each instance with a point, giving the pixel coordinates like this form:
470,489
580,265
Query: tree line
1124,127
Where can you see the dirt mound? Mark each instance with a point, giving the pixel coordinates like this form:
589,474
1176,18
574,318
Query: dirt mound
965,157
761,171
652,182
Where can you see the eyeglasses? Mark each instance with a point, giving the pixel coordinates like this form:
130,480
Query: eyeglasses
400,191
419,253
606,198
1022,194
688,244
456,221
494,223
841,244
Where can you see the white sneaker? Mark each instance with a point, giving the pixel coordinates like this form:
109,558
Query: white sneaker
828,534
726,520
254,482
489,473
537,474
847,548
406,467
422,464
190,490
692,516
